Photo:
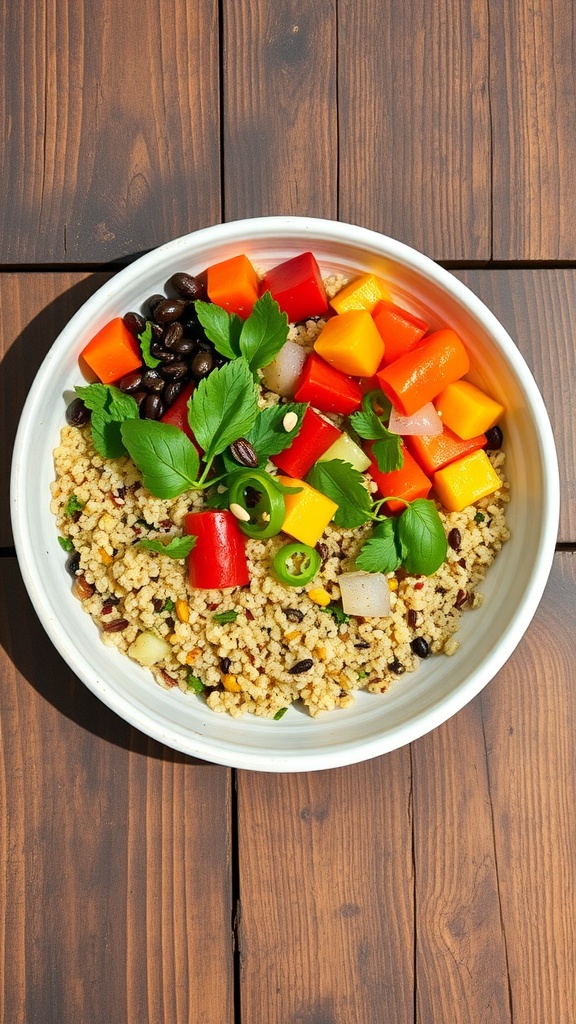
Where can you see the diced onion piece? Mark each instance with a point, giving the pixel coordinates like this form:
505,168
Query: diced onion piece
348,451
364,593
282,374
148,649
424,422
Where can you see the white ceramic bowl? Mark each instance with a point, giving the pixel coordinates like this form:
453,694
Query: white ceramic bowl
417,702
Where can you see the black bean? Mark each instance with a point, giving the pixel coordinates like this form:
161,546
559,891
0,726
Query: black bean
301,666
152,407
152,381
184,347
135,323
139,397
159,352
171,392
73,563
494,438
77,413
293,614
157,330
412,618
396,667
168,310
131,381
420,647
153,301
173,371
225,665
189,287
173,334
323,551
202,364
363,645
243,452
455,539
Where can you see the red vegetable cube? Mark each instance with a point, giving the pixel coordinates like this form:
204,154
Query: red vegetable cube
297,287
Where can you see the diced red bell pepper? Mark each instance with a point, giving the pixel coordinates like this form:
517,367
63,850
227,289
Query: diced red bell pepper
408,482
400,330
328,389
218,559
435,452
315,437
297,287
177,414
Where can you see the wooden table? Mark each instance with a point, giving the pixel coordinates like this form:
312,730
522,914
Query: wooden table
436,883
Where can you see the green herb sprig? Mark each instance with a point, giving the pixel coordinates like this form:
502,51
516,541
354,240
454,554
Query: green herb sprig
387,447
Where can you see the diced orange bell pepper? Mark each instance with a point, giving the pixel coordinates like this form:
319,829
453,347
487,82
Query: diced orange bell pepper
112,352
363,293
233,284
307,513
408,482
467,410
420,375
465,481
350,341
400,330
432,452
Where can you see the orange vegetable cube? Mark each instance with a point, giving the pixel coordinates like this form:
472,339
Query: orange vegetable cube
467,410
433,451
400,330
112,352
307,513
233,284
465,481
351,343
408,482
363,293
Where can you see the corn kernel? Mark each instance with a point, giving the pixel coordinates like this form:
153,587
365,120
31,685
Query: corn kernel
320,596
193,655
106,558
172,638
392,583
231,684
183,611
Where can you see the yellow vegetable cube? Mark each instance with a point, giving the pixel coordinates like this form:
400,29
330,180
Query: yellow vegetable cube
307,513
352,343
363,293
465,481
466,410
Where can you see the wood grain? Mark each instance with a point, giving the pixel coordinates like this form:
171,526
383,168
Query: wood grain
326,894
112,114
538,309
414,123
115,869
533,97
279,108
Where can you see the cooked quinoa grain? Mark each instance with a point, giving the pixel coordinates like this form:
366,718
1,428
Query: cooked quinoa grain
249,664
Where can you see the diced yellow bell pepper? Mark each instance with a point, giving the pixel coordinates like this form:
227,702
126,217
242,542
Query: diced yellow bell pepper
307,513
352,343
466,410
465,481
363,293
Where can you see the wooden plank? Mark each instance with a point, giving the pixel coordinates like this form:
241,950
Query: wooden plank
113,127
461,966
530,728
279,108
115,859
35,308
414,123
326,893
538,309
533,97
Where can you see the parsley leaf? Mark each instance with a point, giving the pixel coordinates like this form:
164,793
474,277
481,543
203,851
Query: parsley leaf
223,407
223,617
345,485
146,339
220,327
194,684
177,547
264,332
337,613
110,407
421,534
66,544
279,714
368,424
164,455
381,551
73,505
267,436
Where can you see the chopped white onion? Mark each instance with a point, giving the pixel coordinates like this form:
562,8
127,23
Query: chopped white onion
425,421
148,649
364,593
282,374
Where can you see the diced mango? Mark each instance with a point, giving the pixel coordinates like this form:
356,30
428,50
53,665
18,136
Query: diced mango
351,343
347,450
467,410
465,481
363,293
307,513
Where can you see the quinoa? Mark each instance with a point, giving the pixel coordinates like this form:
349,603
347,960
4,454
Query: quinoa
128,591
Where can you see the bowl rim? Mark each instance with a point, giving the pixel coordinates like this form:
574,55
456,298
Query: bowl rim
194,743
